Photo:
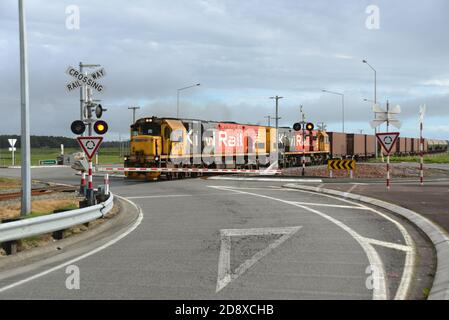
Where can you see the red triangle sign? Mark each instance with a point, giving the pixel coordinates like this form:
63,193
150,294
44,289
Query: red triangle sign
90,145
387,140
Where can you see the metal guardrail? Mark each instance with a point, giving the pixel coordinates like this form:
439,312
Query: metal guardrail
53,222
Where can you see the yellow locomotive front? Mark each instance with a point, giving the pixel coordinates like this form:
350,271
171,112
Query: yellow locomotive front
145,148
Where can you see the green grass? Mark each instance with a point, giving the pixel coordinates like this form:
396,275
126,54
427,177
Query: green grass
8,180
105,155
38,214
430,158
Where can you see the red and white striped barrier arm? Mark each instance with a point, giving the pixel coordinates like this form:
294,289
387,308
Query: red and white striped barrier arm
201,170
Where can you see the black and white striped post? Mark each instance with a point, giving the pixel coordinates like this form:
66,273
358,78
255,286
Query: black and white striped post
422,111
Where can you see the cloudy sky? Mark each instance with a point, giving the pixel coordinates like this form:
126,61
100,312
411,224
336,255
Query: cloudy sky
242,52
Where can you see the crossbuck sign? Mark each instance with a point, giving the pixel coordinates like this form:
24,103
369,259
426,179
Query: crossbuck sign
81,79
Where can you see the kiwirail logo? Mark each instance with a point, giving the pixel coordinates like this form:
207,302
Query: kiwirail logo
235,146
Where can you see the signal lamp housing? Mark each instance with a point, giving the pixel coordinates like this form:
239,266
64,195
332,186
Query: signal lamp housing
100,127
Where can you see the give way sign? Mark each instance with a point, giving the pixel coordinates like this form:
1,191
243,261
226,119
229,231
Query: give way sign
90,145
12,142
387,140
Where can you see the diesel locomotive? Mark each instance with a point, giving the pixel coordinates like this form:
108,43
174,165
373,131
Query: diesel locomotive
193,143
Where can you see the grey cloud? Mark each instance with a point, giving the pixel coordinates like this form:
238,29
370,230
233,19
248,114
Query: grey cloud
241,52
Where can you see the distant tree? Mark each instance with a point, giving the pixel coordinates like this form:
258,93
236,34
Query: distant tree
50,142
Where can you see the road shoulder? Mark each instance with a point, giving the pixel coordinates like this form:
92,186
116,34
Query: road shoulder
438,236
61,250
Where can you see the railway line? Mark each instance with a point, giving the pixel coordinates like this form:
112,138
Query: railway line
36,192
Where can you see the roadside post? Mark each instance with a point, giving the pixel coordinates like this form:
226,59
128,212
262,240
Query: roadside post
90,146
12,143
82,190
106,184
422,111
387,141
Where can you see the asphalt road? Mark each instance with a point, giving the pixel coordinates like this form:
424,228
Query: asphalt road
212,239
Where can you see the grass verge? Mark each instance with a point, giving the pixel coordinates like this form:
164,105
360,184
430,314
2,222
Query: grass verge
428,158
38,208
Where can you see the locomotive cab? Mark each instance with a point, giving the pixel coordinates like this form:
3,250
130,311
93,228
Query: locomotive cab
145,147
154,143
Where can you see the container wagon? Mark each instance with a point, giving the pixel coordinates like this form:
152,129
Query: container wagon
338,146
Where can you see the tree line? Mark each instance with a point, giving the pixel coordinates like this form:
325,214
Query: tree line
50,142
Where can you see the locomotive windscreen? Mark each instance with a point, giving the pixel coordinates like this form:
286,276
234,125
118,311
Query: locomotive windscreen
150,129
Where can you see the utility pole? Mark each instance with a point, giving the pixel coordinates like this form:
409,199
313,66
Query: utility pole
422,111
303,126
25,115
388,155
375,101
269,118
277,98
134,112
82,88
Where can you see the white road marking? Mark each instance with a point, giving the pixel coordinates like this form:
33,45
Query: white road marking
410,256
265,179
352,188
96,250
271,188
225,274
180,195
328,205
390,245
379,292
161,196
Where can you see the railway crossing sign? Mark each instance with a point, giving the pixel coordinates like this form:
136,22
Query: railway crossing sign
90,145
81,79
341,164
388,116
387,140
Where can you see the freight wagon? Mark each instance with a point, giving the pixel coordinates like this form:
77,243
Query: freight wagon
193,143
360,146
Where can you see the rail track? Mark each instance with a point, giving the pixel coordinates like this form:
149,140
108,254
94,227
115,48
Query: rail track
36,192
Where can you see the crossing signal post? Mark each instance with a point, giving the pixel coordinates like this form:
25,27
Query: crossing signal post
90,144
304,126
